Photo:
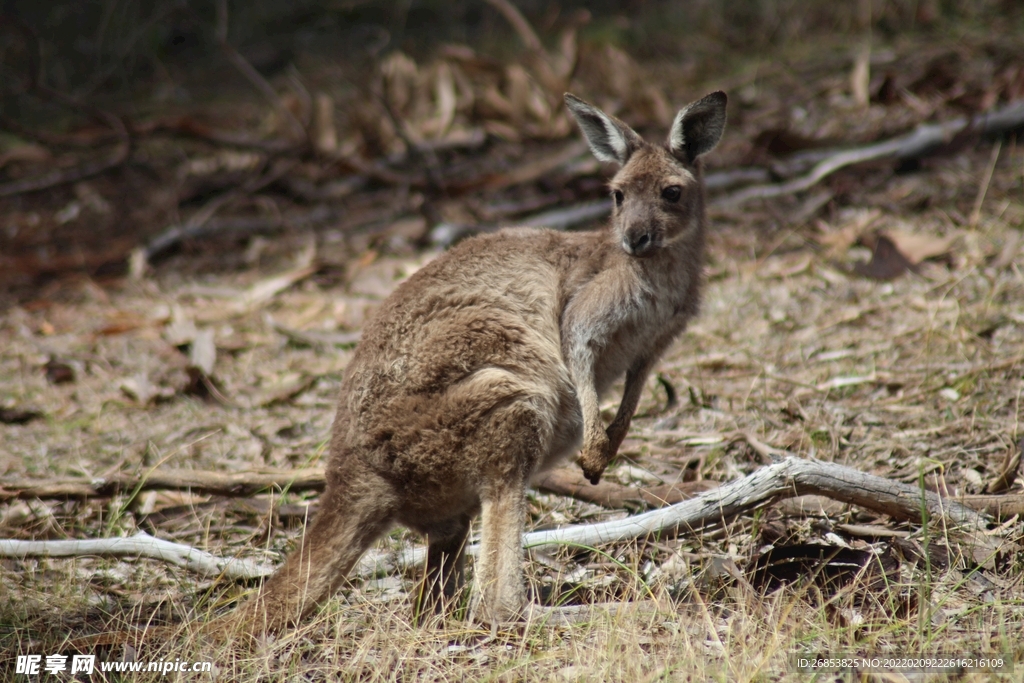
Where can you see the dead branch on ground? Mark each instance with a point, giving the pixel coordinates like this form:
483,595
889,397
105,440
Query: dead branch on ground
561,481
787,478
571,482
203,482
140,545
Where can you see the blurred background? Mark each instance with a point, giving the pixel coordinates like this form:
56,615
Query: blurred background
161,128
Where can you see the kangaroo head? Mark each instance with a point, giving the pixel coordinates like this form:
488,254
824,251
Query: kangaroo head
658,191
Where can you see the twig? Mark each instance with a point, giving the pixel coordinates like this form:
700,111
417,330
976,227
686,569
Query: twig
571,482
126,46
140,545
413,149
529,172
186,125
252,75
522,27
544,70
199,220
983,186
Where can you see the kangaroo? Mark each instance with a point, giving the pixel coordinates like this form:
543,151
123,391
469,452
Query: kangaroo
486,367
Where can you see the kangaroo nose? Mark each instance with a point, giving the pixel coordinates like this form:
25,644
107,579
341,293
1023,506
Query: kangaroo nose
638,244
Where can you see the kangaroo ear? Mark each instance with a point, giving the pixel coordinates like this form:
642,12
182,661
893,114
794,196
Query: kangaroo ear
698,127
609,138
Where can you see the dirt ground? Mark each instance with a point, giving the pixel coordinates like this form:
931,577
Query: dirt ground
914,374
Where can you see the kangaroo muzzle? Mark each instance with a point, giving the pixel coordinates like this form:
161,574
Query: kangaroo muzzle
640,242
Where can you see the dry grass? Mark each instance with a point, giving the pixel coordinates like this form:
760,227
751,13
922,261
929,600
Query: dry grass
776,330
918,379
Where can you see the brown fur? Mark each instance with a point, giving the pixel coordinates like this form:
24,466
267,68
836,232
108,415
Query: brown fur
486,367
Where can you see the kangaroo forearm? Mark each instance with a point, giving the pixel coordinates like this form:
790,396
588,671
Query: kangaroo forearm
590,406
636,378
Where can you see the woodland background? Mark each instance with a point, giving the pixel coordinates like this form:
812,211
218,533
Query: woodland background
201,202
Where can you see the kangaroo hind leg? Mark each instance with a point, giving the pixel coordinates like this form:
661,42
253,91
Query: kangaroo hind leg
519,436
445,572
354,512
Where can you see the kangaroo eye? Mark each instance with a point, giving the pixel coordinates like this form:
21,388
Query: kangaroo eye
619,197
672,193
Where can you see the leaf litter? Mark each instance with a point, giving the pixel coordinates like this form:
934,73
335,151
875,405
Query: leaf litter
914,372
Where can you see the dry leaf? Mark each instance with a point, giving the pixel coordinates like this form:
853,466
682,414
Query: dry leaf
786,266
1009,472
59,372
181,330
887,263
324,133
917,247
860,76
203,352
143,391
445,103
30,152
1008,254
265,290
287,389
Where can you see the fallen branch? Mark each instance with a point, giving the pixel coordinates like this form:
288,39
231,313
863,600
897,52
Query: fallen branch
571,482
211,483
559,481
914,144
191,230
140,545
785,479
788,478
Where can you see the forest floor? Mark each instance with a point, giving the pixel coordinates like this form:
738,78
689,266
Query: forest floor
225,352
